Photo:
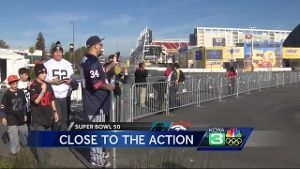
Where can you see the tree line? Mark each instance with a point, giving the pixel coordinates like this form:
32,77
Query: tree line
72,56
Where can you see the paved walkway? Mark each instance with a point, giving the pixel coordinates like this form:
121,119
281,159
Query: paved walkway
273,113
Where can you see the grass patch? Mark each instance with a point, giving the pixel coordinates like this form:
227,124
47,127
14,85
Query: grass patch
173,158
24,159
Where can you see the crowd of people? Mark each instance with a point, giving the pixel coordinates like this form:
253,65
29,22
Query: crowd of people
174,76
43,104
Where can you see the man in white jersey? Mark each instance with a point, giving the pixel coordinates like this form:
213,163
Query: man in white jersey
59,73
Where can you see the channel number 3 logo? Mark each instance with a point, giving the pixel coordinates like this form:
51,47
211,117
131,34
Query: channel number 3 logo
216,139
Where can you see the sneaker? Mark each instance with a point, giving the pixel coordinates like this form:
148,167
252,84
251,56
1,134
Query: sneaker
106,155
96,165
13,154
106,164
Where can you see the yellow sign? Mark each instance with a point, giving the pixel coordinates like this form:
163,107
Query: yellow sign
214,64
264,58
233,53
291,53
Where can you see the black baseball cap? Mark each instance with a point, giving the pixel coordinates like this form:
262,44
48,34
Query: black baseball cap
93,40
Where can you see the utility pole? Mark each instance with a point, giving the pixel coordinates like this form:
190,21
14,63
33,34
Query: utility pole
117,46
73,44
252,44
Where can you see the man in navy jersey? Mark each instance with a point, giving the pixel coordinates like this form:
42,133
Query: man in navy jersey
96,92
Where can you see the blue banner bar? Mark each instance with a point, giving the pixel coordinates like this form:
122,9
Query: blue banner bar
115,138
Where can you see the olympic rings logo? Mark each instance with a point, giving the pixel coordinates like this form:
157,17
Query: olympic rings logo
232,141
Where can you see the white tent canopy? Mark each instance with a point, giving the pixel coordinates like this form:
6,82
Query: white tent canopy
10,63
8,54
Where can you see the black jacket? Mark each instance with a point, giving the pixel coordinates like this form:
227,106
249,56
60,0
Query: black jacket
140,75
13,104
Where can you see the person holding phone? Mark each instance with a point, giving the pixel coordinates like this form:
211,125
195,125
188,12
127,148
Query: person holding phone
60,73
96,91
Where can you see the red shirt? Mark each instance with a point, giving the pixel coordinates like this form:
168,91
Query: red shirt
231,74
167,72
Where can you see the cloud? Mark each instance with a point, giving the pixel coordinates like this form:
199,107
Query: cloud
121,20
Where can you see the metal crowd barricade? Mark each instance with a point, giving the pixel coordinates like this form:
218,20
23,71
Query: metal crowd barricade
209,89
163,96
184,93
154,95
3,88
76,96
197,90
243,83
280,79
155,78
273,80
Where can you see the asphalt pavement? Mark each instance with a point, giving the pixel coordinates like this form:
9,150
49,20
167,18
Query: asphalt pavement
273,113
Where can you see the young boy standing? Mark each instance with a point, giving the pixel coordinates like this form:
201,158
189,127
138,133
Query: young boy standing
24,84
13,104
43,109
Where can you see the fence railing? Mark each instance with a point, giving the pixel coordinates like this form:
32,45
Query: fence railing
151,79
157,95
162,97
139,100
3,88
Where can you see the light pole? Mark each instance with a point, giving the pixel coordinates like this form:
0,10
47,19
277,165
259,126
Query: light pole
72,47
117,46
73,42
252,43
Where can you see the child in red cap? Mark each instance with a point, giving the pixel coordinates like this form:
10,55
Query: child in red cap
13,105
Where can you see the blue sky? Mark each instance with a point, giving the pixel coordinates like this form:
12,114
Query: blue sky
123,20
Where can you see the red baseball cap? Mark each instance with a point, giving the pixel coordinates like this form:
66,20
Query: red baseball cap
12,78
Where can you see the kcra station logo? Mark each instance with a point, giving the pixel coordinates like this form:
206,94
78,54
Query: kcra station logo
218,137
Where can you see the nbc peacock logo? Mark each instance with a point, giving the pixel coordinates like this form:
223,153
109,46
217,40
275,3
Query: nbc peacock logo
234,137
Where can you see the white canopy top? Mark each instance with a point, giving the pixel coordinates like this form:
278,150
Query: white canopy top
8,54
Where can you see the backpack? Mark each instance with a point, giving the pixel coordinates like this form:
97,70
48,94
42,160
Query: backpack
181,76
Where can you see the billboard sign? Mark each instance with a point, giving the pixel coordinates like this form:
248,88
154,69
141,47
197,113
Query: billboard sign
233,53
198,55
214,54
219,42
291,53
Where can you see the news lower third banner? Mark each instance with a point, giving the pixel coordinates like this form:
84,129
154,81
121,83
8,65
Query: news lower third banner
212,139
116,138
